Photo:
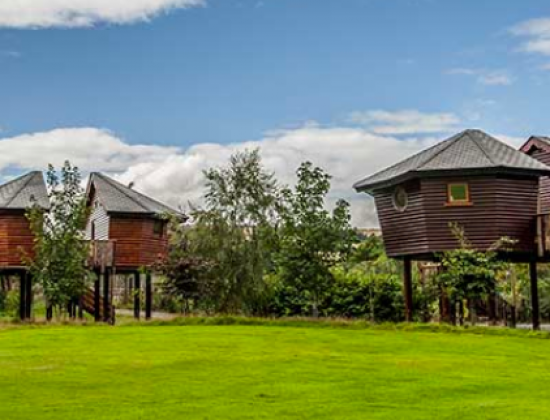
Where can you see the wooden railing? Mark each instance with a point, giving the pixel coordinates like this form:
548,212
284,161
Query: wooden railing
543,234
102,254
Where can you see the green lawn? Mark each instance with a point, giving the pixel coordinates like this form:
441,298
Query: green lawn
268,372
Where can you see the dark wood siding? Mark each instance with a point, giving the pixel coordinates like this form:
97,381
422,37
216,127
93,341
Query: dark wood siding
500,206
136,243
543,156
517,202
404,232
16,238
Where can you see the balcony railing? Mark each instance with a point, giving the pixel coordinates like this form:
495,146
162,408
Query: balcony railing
102,254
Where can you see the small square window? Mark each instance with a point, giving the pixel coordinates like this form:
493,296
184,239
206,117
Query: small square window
458,194
158,228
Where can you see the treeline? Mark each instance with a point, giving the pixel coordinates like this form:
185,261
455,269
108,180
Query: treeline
261,248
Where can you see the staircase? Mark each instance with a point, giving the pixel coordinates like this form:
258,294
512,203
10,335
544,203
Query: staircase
88,305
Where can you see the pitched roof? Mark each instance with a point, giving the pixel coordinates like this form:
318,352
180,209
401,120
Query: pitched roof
118,198
468,151
535,142
24,192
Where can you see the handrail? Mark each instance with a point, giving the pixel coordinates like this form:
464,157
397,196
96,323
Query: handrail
102,253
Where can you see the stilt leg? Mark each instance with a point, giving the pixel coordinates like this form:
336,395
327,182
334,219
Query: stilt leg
407,288
28,296
148,296
137,295
22,295
106,296
97,298
534,294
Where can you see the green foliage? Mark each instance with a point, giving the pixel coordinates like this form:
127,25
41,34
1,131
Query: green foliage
311,239
60,251
185,271
370,290
369,249
468,273
9,302
227,252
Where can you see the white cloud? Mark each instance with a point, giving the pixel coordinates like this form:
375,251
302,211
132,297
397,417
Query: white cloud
495,79
536,33
174,175
87,148
405,122
485,77
83,13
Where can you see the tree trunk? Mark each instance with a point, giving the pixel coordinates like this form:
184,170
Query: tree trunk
472,310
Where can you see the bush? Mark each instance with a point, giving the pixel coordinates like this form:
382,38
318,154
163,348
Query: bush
9,302
358,291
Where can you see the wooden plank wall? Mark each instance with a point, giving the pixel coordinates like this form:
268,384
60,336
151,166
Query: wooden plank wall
16,239
99,216
404,233
136,243
543,156
501,206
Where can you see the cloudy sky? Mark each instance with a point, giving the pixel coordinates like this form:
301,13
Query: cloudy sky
154,91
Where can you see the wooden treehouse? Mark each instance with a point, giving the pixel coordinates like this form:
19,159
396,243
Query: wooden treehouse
472,179
16,238
128,235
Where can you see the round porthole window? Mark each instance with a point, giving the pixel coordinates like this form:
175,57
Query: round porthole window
400,199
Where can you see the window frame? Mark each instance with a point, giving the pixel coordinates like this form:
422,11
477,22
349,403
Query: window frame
466,202
397,190
159,233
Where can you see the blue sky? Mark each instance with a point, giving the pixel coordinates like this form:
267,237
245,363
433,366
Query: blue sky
329,80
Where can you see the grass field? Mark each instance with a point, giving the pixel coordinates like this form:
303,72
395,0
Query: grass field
268,372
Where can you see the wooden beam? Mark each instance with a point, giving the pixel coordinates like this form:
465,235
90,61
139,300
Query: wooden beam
137,295
22,296
533,275
28,295
407,288
148,296
106,295
97,297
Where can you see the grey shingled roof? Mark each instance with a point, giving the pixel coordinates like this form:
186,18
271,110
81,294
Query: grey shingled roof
24,192
118,198
467,151
542,139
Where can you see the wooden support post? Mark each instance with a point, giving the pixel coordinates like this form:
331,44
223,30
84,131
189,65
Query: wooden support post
80,309
535,312
97,298
492,307
461,312
22,295
28,295
148,296
106,295
137,295
407,288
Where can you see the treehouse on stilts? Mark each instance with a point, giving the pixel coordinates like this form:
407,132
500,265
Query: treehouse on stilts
16,238
128,234
487,187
